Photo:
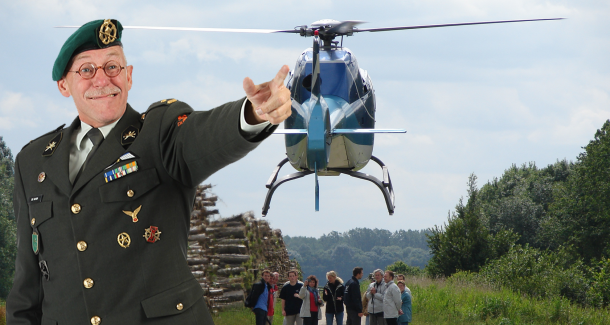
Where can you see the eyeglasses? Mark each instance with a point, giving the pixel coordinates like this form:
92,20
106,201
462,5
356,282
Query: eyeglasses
88,70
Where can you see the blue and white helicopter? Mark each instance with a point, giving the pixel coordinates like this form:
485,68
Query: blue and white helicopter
332,126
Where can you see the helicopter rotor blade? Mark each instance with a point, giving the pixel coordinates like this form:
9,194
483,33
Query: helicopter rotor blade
385,29
224,30
344,27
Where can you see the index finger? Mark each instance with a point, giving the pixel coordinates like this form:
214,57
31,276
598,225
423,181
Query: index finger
279,78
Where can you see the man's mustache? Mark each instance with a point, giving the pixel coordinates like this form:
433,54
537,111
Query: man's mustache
92,93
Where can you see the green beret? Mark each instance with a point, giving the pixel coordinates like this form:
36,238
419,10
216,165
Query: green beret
97,34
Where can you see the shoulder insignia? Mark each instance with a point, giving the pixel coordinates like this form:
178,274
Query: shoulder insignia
54,131
181,119
129,135
160,103
52,145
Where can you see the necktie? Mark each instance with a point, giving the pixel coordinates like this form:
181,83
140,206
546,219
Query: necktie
96,137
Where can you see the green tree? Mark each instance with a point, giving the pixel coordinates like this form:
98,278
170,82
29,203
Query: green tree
580,215
520,199
8,241
465,243
400,267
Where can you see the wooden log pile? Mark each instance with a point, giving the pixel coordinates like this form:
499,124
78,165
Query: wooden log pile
226,254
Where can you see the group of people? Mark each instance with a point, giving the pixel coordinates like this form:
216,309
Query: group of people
384,302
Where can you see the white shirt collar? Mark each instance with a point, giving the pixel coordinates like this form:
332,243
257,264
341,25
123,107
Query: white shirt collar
84,128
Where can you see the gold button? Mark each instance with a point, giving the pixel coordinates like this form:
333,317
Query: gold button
96,320
81,246
33,221
88,283
130,193
75,208
179,306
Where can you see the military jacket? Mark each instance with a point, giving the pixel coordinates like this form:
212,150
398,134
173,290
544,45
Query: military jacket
114,252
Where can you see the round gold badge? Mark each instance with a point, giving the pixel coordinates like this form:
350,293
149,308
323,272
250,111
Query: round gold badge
124,240
41,177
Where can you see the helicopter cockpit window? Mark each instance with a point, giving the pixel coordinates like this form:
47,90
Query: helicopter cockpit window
307,82
334,80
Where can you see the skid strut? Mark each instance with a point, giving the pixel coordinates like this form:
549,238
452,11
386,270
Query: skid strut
385,186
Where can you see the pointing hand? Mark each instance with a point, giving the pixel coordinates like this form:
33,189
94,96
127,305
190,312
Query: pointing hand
269,101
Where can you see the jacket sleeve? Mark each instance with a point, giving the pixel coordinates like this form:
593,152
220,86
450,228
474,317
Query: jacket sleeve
380,292
369,296
396,297
341,292
196,144
326,297
303,292
355,292
24,302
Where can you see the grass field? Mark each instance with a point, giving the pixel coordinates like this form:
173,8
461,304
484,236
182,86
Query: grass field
440,302
2,312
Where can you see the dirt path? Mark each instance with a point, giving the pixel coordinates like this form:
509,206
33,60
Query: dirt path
323,320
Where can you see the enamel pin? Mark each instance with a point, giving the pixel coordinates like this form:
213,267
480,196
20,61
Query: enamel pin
123,239
134,214
152,234
35,242
52,145
129,135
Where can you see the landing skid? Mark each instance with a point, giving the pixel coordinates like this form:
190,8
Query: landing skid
385,186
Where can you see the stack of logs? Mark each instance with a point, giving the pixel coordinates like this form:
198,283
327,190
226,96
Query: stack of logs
226,254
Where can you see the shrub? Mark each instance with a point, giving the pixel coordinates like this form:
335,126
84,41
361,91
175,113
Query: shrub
538,273
400,267
599,292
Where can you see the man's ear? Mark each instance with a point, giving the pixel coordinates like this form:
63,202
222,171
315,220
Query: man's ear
129,69
62,85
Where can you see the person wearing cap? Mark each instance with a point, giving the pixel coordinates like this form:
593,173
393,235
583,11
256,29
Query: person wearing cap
103,205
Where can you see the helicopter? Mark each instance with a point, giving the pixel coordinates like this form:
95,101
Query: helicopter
332,126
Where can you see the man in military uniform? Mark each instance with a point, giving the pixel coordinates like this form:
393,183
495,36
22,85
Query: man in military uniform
103,205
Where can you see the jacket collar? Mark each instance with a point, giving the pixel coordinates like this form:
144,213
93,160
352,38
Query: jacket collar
59,162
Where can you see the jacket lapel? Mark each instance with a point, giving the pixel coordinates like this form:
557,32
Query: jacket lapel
109,150
56,166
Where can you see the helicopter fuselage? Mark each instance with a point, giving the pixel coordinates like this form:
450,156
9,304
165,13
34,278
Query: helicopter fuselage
347,100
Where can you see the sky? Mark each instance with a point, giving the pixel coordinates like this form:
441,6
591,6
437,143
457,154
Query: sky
474,99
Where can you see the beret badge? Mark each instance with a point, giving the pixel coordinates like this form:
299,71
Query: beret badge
108,32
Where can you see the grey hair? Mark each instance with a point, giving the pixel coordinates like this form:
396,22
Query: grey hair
378,271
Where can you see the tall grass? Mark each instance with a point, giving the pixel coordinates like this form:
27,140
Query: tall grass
460,300
245,316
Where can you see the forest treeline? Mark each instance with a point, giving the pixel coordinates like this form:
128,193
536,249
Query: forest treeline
368,248
544,232
539,231
8,229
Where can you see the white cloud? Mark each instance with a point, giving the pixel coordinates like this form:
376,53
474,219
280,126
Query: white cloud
473,99
15,109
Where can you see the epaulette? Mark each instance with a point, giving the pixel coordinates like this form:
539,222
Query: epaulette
61,127
161,103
